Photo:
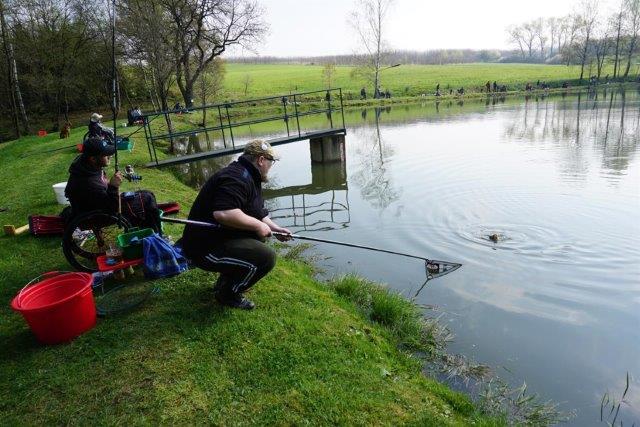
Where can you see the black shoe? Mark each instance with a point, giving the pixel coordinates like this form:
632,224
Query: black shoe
235,301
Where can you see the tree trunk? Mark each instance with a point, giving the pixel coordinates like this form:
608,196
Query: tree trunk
204,100
188,94
584,58
14,106
164,103
16,94
156,93
66,106
617,53
632,47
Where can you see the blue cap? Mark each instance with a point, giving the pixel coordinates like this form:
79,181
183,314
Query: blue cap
97,147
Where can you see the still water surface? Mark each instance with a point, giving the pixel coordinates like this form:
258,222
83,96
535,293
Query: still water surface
556,301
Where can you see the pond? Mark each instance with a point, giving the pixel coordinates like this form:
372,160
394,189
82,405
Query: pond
555,301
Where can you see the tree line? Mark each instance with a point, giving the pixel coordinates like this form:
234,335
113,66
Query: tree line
587,37
55,55
428,57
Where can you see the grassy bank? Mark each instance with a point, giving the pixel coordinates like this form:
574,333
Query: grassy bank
306,354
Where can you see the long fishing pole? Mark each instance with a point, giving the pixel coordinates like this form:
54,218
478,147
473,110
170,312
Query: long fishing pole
114,94
113,81
433,268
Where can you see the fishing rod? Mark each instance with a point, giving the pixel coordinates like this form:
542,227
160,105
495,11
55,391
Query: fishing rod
433,268
114,92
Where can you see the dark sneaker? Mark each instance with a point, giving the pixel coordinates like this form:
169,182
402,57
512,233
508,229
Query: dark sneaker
235,301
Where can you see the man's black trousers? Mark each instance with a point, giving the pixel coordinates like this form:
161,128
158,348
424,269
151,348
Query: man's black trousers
241,262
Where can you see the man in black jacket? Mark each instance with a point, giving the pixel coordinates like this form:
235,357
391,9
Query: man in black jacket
232,200
88,188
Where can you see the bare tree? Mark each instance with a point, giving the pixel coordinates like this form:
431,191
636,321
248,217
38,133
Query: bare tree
588,18
600,45
616,23
147,31
516,37
204,29
538,28
553,28
570,30
632,30
328,73
368,20
246,82
529,35
211,84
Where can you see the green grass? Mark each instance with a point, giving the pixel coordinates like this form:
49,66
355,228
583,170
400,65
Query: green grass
307,354
406,80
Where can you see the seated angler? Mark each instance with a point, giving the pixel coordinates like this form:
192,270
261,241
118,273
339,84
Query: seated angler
134,116
88,188
98,130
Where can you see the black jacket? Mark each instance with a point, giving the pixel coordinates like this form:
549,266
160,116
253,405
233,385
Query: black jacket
88,189
237,186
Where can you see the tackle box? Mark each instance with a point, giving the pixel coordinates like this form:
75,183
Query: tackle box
124,144
131,243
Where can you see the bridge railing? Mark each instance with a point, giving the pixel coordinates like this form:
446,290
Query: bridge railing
229,116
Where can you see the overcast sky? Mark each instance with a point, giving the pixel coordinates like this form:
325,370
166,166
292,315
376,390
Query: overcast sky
320,27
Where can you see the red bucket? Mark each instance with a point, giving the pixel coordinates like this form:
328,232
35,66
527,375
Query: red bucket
58,306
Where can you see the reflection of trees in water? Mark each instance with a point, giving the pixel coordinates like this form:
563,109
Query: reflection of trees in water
195,174
371,174
601,119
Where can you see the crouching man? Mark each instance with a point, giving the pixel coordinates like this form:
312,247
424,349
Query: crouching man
232,199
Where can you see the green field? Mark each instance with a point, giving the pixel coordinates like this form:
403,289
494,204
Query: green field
406,80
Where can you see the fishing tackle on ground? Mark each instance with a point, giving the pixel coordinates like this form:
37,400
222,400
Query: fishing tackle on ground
130,174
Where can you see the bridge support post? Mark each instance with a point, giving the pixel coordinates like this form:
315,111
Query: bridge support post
327,149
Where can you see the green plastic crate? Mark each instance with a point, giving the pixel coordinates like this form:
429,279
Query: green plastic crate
133,250
125,144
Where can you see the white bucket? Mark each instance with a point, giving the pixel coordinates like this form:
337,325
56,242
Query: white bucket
59,190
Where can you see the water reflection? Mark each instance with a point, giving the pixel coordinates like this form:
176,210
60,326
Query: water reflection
320,205
575,123
196,174
371,174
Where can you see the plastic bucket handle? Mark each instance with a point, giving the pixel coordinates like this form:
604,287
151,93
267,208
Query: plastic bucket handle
47,275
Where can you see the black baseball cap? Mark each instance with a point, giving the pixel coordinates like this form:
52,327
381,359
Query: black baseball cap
97,147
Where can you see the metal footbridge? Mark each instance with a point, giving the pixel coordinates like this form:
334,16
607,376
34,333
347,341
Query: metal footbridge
230,123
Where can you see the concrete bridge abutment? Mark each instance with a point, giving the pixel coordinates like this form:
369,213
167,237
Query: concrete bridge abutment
327,149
